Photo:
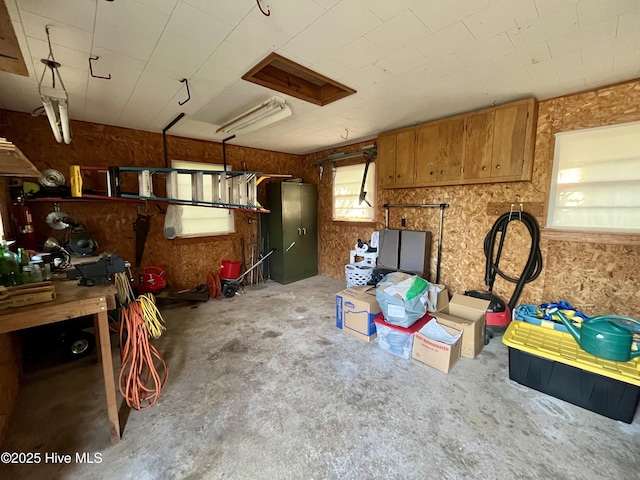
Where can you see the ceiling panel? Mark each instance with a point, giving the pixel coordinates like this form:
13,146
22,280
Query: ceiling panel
120,40
446,41
341,25
60,33
500,17
77,13
439,14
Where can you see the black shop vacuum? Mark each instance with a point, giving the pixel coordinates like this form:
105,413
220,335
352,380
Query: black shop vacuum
499,313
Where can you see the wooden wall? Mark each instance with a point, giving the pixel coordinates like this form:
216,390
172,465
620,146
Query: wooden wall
186,261
597,277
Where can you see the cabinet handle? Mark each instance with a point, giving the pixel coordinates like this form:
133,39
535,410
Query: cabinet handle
304,231
498,167
432,173
484,168
441,172
299,231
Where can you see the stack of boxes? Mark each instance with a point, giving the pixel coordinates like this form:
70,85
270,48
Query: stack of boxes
359,314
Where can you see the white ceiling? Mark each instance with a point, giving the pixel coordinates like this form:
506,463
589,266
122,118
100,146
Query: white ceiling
409,60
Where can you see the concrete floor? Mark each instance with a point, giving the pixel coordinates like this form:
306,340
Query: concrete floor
263,386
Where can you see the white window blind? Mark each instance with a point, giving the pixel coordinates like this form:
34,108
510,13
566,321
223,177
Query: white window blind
596,180
201,221
346,194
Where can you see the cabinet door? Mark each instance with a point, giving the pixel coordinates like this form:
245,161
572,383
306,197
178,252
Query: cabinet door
427,149
308,254
509,139
478,145
405,153
386,160
450,150
291,209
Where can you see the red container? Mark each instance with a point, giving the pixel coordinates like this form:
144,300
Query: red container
229,269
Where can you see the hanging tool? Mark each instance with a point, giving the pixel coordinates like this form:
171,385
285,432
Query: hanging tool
141,227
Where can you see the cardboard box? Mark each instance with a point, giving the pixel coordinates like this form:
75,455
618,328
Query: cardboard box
356,307
441,298
468,315
437,354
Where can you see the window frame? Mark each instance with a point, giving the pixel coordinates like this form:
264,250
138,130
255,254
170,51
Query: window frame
575,234
371,196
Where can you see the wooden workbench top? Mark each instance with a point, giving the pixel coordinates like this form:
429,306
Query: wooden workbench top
71,301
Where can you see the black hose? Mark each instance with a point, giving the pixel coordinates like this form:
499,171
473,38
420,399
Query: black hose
533,266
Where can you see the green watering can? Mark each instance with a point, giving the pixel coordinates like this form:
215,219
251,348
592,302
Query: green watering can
602,337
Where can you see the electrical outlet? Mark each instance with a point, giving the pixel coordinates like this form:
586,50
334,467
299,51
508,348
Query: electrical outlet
250,221
404,222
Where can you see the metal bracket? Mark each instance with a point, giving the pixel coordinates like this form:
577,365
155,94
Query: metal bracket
91,69
186,82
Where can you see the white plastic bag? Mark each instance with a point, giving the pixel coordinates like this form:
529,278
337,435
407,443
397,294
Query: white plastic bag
173,222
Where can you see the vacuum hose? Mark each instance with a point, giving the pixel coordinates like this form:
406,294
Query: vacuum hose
533,267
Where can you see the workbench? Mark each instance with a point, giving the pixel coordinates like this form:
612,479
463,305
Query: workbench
74,301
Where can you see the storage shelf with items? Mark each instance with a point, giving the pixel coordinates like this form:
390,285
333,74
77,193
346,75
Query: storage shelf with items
360,272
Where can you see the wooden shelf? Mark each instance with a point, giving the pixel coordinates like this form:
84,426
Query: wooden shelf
83,199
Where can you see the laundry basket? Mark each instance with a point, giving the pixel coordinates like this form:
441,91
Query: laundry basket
358,273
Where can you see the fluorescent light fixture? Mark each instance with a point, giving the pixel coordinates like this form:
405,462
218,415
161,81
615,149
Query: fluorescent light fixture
266,113
54,101
55,98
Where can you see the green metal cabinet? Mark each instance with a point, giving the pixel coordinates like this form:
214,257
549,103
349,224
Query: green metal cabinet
292,231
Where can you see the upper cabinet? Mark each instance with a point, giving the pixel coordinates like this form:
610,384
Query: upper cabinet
395,163
491,145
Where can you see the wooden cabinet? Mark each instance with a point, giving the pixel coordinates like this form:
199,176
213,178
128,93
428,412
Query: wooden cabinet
439,152
395,162
478,145
386,160
512,143
491,145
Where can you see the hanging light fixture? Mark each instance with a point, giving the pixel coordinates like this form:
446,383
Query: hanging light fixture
266,113
55,98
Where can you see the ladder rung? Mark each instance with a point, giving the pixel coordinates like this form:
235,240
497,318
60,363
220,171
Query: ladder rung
197,186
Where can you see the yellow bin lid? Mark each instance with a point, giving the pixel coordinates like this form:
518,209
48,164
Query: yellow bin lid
562,347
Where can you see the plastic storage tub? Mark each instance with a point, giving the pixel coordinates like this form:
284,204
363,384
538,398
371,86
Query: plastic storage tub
398,340
551,362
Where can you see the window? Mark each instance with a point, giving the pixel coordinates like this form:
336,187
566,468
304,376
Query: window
595,180
346,194
201,221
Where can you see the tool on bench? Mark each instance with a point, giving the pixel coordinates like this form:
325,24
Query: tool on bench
98,272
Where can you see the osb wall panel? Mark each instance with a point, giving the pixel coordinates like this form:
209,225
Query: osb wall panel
186,261
597,278
336,239
601,278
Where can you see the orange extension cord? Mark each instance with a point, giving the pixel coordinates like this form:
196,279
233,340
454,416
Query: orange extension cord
140,381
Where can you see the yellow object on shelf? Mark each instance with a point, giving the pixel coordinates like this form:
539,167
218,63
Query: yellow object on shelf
561,347
76,181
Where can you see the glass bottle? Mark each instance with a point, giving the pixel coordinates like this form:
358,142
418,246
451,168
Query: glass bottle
9,268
